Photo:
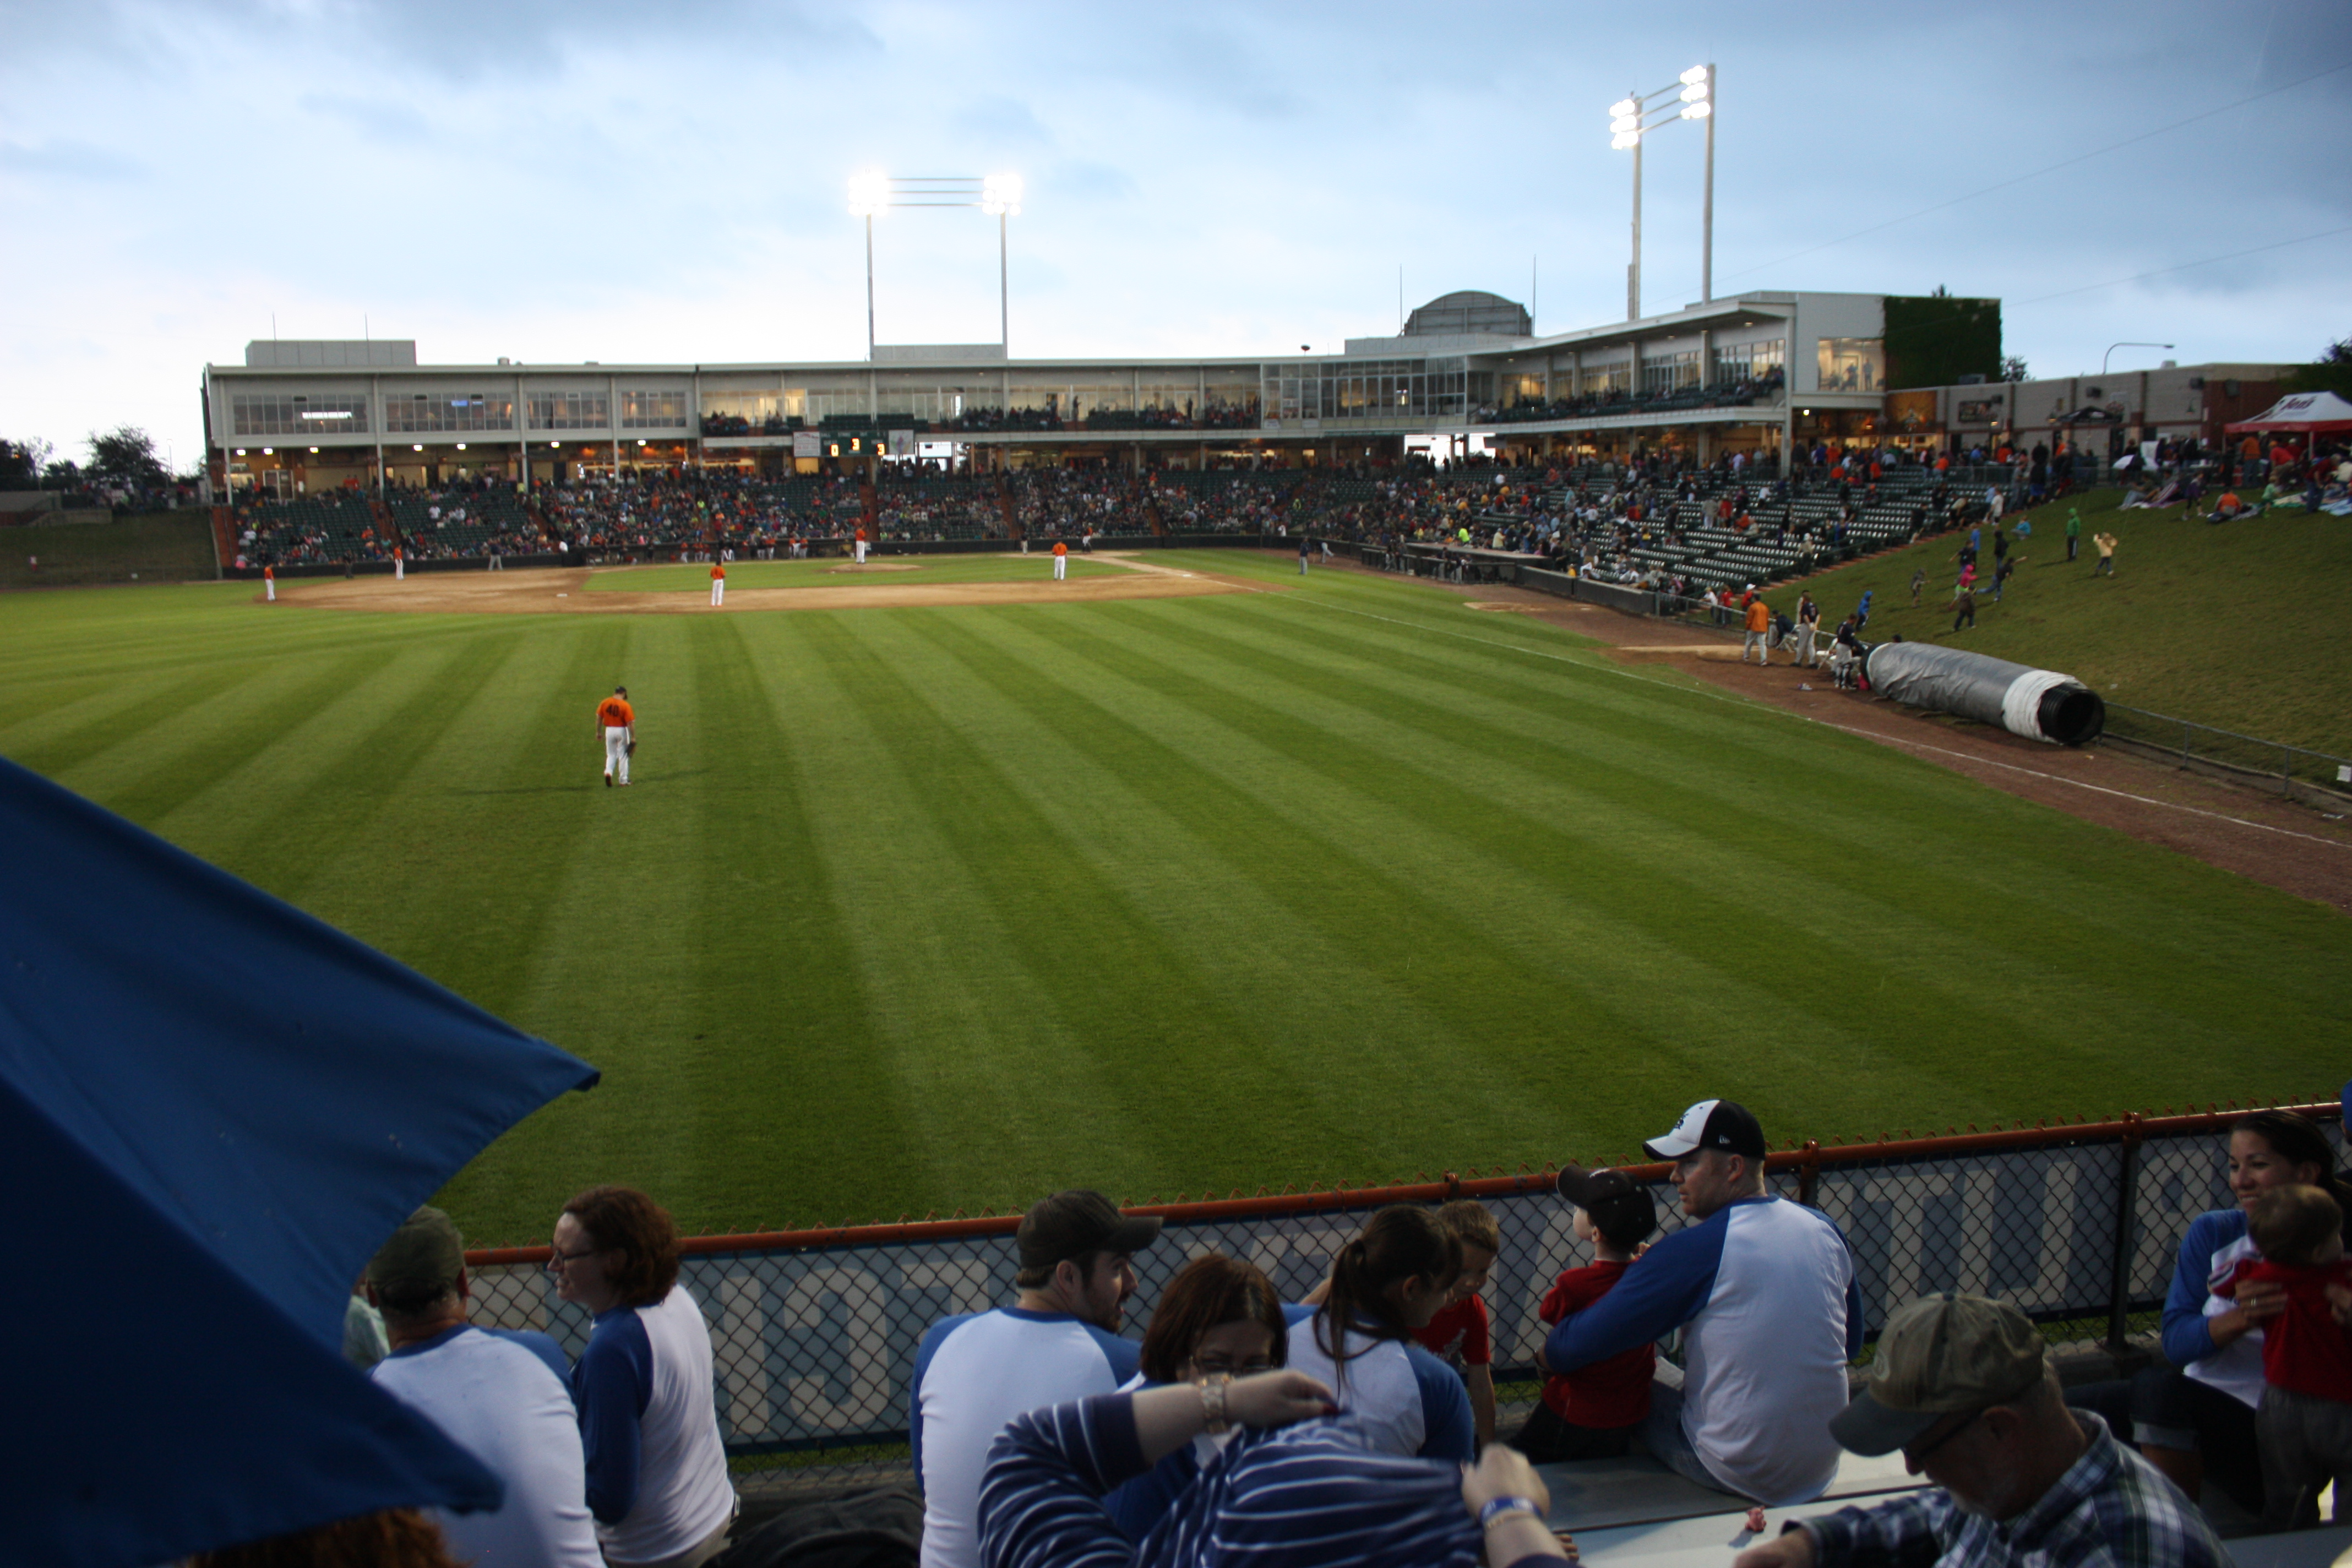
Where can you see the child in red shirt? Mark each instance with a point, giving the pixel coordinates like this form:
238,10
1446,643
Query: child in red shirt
1591,1413
1460,1334
2304,1424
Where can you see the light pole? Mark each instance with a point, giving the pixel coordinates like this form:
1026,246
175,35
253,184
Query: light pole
1690,96
872,193
2113,347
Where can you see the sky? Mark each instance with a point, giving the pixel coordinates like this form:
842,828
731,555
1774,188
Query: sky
623,182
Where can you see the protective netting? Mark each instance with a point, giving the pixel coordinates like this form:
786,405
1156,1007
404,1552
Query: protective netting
815,1343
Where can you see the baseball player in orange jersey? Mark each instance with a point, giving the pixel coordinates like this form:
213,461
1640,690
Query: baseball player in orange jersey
861,547
270,584
617,722
399,565
718,584
1061,560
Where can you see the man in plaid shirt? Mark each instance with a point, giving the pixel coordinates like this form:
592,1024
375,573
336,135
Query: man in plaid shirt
1962,1385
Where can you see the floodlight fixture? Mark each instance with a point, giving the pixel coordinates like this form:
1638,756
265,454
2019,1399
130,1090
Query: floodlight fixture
869,194
1694,91
999,195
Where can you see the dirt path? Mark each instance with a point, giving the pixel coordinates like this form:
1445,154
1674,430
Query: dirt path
548,592
2294,847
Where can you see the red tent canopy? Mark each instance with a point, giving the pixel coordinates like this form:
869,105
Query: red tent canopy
2321,413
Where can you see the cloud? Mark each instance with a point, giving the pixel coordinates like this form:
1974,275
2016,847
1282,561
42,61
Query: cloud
69,160
394,122
997,121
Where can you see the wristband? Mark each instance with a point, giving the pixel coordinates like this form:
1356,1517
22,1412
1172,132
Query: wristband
1213,1403
1503,1508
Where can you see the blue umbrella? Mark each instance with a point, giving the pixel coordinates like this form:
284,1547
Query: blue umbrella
217,1107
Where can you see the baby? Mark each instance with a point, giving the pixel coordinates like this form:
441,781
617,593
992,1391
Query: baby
2305,1422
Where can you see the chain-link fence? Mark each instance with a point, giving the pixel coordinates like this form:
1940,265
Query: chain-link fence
2291,771
816,1333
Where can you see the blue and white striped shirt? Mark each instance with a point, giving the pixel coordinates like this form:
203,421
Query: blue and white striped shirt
1285,1497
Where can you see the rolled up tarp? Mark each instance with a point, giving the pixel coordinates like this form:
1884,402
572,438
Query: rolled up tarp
2039,704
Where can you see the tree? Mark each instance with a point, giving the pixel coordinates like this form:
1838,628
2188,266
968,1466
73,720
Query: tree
2012,368
2331,372
21,462
126,454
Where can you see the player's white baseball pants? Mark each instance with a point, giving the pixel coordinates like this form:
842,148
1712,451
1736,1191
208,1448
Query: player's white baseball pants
400,569
270,586
861,552
1061,567
718,592
617,752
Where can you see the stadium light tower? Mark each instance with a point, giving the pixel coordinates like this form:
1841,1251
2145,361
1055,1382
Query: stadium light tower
872,192
1632,119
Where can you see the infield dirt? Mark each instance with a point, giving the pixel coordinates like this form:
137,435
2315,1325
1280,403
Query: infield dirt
565,593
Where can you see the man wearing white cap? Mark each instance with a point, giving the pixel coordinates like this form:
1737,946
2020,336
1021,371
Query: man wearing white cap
1962,1385
1764,1292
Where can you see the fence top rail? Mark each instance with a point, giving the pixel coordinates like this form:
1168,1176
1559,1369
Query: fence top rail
2168,720
2130,1127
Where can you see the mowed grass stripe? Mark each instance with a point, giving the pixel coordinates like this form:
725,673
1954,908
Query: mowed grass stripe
1196,865
955,966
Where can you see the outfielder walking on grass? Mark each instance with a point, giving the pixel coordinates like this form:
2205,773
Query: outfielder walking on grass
617,722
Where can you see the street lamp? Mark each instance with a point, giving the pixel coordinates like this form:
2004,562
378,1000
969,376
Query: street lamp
872,192
2113,347
1690,96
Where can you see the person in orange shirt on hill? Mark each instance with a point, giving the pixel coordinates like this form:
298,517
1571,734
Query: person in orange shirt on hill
860,542
617,722
718,584
1061,559
268,583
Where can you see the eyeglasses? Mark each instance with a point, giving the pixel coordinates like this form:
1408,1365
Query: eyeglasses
1218,1366
557,1258
1917,1456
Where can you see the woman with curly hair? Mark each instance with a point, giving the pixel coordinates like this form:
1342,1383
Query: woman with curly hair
649,1420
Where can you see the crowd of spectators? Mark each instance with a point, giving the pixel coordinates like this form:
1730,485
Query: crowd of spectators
1735,394
1339,1428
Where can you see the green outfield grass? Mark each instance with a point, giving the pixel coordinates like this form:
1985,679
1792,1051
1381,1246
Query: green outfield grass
918,910
839,574
2237,626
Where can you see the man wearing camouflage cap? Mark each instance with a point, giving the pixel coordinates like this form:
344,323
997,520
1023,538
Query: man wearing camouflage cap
1963,1388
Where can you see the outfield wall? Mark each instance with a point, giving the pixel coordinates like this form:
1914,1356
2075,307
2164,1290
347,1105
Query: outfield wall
816,1331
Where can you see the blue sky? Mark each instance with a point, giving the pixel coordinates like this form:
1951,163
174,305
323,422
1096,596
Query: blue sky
593,179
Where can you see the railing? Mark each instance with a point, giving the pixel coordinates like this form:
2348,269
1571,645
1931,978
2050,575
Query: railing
2291,771
815,1330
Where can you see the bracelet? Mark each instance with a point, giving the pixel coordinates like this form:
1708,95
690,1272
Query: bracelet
1213,1403
1503,1508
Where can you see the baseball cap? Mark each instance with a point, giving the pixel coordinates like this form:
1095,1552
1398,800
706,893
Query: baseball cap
1939,1355
1724,1124
426,1250
1071,1223
1622,1208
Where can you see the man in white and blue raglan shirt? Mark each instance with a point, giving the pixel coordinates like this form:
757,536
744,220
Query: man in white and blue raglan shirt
1764,1292
975,1373
503,1396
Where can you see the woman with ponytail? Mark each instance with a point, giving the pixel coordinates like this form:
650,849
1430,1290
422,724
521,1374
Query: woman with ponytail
1389,1281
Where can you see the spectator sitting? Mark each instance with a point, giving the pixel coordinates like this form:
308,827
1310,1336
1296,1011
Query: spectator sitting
1764,1292
1218,1318
500,1395
1058,1341
390,1538
1591,1413
1963,1387
1461,1335
656,1471
2304,1424
1281,1495
1386,1282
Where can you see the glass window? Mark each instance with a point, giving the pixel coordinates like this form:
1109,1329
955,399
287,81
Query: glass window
419,413
1608,378
1853,364
1736,363
649,410
571,411
296,414
1670,371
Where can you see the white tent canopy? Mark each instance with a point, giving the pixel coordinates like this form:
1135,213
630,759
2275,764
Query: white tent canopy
2321,413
